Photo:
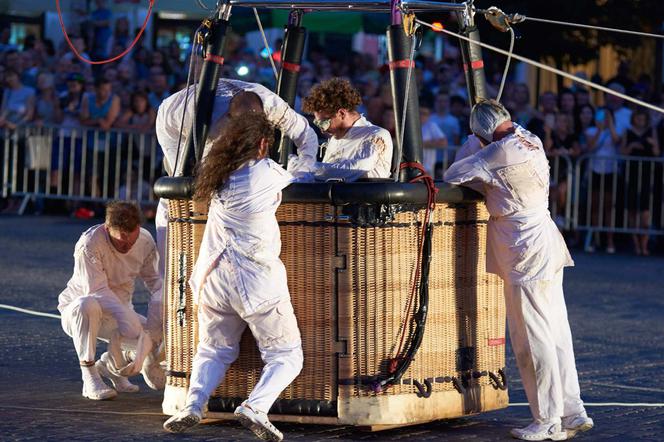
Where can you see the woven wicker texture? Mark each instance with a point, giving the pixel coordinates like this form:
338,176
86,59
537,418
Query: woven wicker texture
465,328
308,254
185,231
371,269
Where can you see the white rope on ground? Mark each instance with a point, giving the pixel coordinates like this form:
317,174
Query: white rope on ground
603,404
547,68
70,410
628,387
599,28
29,312
267,46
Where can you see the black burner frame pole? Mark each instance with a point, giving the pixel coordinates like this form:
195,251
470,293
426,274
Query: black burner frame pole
471,53
289,72
213,47
399,51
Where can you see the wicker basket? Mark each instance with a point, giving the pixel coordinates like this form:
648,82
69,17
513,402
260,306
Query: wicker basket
349,286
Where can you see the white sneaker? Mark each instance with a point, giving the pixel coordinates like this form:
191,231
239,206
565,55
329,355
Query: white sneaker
537,431
94,387
153,373
258,422
577,423
120,383
183,420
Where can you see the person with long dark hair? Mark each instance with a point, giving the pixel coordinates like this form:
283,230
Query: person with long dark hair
238,279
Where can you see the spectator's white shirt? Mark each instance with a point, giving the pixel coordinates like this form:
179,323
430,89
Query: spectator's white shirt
242,223
169,118
622,120
605,148
523,242
103,272
365,151
449,125
430,132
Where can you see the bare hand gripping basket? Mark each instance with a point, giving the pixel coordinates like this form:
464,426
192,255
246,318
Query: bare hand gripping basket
350,253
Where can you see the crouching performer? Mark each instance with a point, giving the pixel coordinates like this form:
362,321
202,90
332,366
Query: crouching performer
97,303
238,278
508,165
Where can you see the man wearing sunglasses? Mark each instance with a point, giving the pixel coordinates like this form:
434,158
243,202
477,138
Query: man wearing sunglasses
356,148
524,247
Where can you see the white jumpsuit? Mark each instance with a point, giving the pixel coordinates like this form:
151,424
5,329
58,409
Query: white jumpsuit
97,301
526,249
239,280
169,118
365,151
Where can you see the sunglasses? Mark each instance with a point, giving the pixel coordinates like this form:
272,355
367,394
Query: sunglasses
323,124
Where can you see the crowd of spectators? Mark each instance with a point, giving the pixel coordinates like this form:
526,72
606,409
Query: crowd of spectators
47,85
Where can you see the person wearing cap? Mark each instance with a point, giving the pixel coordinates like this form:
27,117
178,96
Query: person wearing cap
356,148
507,164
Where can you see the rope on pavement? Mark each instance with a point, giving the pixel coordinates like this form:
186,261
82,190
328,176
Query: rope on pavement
29,312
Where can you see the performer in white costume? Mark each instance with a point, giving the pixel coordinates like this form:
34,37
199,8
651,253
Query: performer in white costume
356,148
238,279
97,302
508,165
171,133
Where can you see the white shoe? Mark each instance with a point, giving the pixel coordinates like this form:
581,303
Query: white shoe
153,373
120,383
258,422
183,420
537,432
577,423
94,387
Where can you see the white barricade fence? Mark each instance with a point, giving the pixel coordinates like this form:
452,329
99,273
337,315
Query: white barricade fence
619,194
81,164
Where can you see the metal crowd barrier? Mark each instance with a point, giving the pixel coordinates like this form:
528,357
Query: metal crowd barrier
82,164
87,164
561,184
619,194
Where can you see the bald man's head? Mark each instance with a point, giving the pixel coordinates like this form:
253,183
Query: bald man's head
241,103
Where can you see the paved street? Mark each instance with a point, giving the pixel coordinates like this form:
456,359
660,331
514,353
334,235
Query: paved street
615,303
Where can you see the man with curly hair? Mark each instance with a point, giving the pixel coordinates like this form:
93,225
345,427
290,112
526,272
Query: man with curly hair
356,148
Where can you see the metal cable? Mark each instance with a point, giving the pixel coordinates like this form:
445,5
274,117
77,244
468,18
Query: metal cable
186,99
203,5
405,101
548,68
599,28
507,65
267,46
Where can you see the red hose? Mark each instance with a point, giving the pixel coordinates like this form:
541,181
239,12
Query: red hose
110,60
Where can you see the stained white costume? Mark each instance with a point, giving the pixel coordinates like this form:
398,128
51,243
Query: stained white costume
97,301
168,123
239,280
365,151
526,249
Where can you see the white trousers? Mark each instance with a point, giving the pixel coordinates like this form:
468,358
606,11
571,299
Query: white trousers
88,317
542,343
221,324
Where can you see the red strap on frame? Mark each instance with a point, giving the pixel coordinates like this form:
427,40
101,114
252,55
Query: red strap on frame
401,64
214,58
290,67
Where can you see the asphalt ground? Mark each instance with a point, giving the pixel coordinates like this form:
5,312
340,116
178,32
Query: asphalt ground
615,303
